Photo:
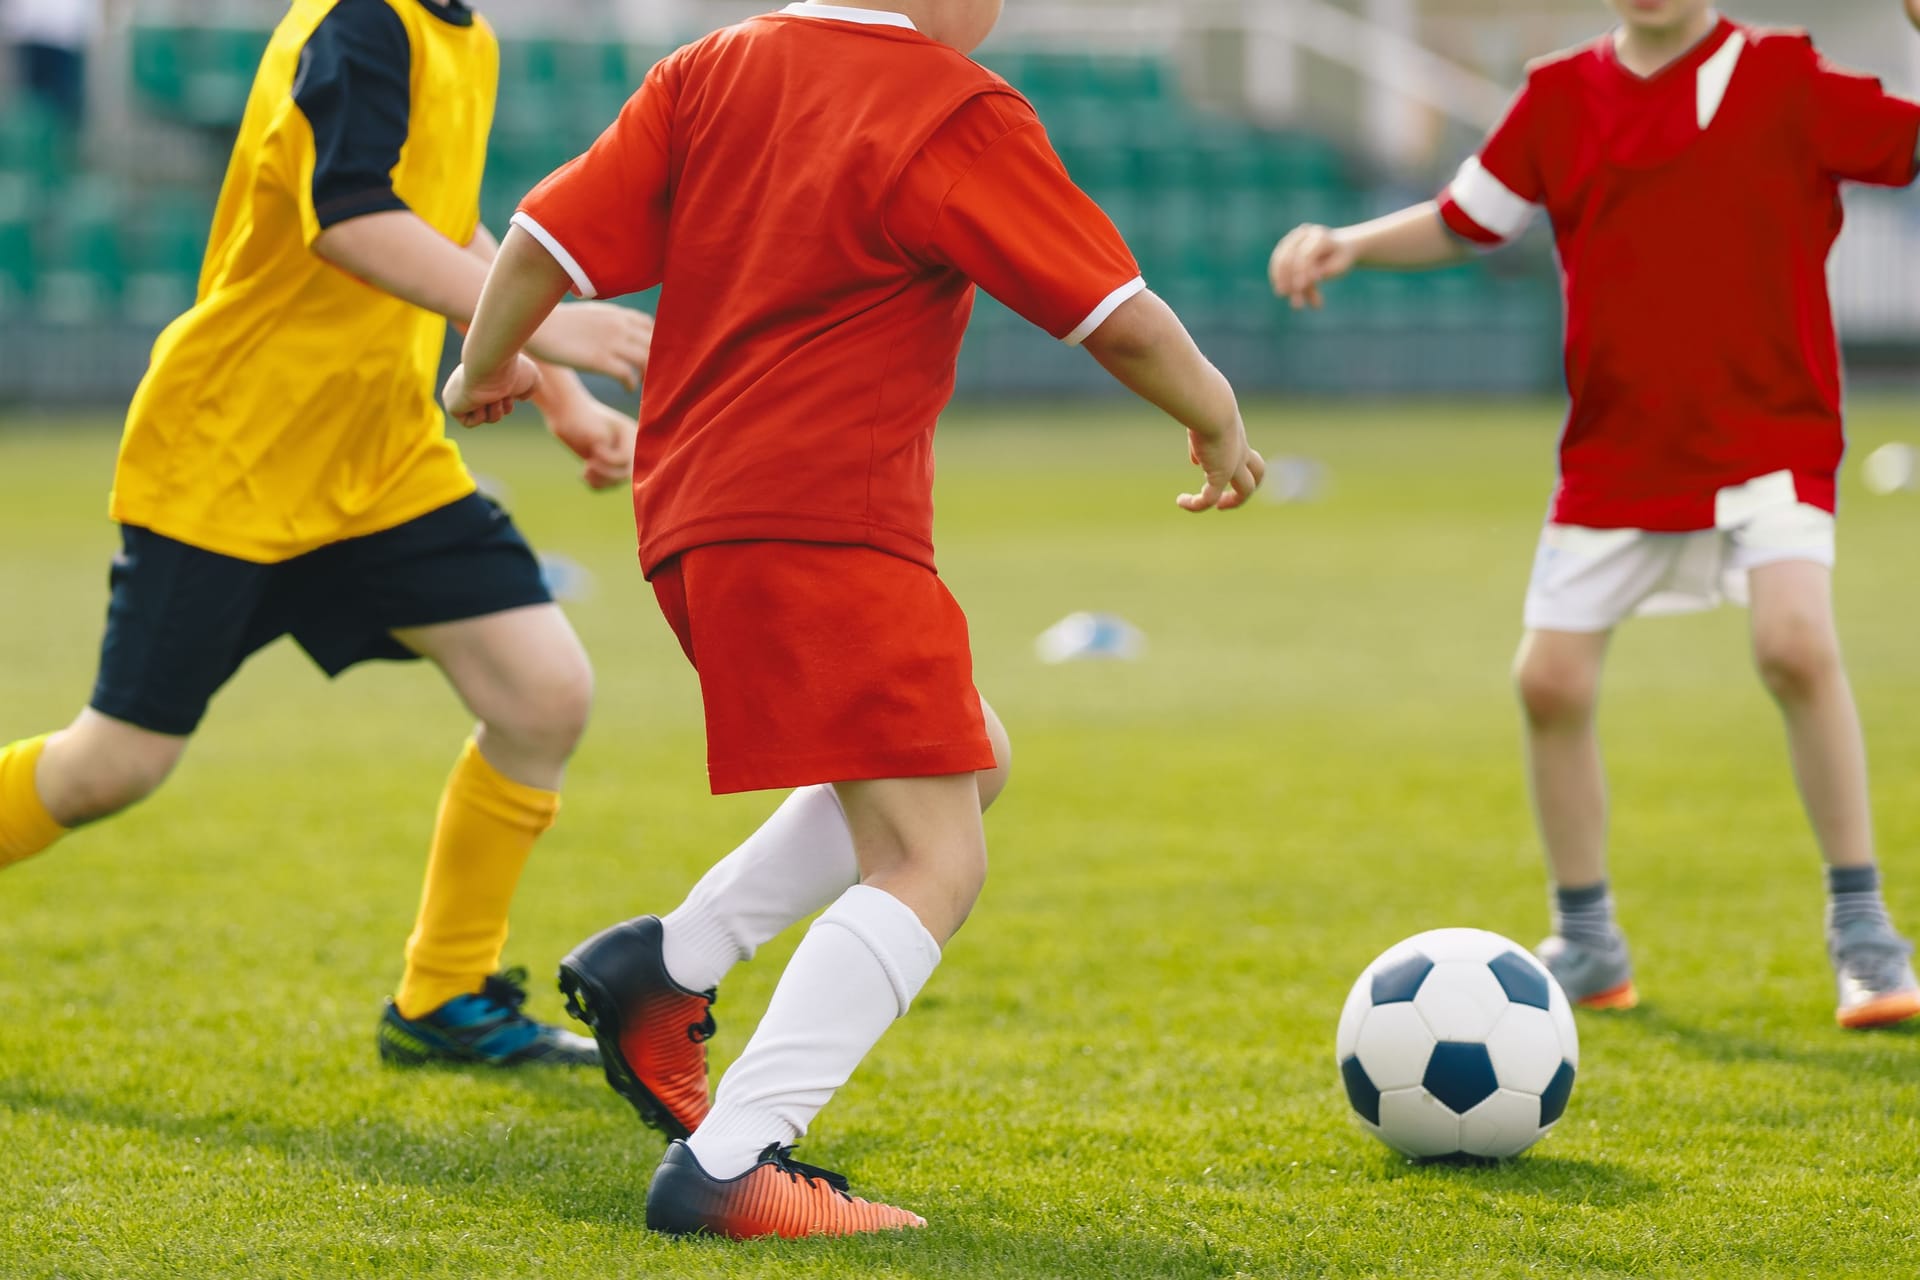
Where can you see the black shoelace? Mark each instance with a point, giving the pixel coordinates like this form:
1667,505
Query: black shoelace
507,990
781,1158
702,1031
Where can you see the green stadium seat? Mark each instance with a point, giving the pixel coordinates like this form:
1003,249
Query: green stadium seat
529,62
17,258
34,145
159,66
80,253
225,60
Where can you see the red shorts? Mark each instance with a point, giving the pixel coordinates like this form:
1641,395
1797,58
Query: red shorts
823,662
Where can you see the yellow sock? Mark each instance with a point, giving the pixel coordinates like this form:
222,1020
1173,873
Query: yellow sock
487,827
25,825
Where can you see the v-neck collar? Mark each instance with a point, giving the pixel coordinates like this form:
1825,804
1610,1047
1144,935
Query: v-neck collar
1703,48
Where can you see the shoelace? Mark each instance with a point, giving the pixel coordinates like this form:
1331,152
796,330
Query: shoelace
1878,965
1876,960
781,1158
702,1031
508,990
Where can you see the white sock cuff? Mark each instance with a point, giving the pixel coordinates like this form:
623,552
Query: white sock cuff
888,928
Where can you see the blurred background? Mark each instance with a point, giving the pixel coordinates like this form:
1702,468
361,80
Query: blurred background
1206,127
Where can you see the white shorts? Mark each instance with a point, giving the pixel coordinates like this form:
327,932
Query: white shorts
1595,579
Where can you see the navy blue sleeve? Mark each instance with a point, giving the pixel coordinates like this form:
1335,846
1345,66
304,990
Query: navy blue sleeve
354,87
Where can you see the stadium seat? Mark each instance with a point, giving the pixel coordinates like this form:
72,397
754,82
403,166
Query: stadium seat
17,272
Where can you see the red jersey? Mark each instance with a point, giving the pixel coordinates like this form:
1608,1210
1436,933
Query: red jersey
1693,211
818,191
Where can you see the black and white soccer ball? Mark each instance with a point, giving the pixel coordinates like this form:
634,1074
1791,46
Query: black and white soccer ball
1458,1042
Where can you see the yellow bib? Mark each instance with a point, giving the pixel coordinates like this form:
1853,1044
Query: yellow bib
294,405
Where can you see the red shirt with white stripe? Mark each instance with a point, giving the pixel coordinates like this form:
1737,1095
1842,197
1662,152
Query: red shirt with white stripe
1693,211
818,191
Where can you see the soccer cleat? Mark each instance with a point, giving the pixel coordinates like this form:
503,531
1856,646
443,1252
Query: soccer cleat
1874,973
1592,977
653,1032
487,1028
779,1196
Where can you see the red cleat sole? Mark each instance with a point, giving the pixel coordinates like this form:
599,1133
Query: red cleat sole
1624,996
1883,1012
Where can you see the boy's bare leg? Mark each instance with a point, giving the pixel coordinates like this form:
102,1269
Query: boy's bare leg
1557,674
646,985
797,862
923,859
525,677
1797,650
90,770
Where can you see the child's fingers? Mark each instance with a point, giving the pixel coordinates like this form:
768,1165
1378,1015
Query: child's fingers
1205,500
625,372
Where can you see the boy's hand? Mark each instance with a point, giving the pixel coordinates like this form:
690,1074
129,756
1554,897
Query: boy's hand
600,435
491,398
1913,11
597,337
1309,257
1234,470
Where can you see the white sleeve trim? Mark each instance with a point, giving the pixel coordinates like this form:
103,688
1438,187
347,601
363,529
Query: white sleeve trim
1490,202
581,284
1098,316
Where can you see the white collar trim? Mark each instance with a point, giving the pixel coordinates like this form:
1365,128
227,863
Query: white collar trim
841,13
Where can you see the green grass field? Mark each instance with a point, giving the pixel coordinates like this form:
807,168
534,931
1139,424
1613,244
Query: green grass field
1124,1068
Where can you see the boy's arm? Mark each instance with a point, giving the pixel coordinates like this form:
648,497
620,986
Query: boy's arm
1312,255
1146,348
523,287
988,197
1488,204
598,434
396,252
1913,12
353,93
1858,131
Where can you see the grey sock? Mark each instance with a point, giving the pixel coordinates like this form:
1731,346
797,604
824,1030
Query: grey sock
1853,894
1585,916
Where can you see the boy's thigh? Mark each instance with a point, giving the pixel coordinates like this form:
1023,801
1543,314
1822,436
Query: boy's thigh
1591,580
180,621
825,663
460,562
1800,533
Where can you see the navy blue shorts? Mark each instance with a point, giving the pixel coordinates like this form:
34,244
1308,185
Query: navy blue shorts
182,619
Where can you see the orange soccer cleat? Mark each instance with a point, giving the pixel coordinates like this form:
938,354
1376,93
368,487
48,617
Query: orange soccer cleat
1874,973
652,1032
778,1196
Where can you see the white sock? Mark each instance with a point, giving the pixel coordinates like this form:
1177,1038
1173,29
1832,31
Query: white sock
858,969
799,860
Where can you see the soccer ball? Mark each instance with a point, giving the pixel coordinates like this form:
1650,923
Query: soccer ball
1457,1042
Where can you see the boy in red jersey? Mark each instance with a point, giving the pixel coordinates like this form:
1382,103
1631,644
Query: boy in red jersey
818,191
1691,168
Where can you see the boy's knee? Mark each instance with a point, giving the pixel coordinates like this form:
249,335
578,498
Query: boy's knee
547,713
1795,657
993,781
1554,692
83,780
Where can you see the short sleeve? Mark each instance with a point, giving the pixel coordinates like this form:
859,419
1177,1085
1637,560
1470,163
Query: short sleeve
1497,192
603,216
1017,226
353,85
1860,132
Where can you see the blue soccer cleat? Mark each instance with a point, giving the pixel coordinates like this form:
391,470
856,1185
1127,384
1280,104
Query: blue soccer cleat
486,1029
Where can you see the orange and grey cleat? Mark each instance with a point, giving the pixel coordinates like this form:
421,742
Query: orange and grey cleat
1874,974
652,1032
779,1196
1593,977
